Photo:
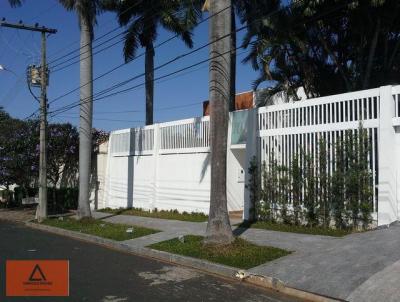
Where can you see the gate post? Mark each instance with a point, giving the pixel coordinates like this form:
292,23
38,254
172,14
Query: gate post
387,203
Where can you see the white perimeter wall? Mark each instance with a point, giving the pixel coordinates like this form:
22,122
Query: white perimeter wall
166,166
182,182
167,179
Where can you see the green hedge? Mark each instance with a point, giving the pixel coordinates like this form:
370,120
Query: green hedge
58,199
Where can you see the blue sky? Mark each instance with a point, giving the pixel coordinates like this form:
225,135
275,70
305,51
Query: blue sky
19,48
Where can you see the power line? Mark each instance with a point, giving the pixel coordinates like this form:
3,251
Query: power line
188,53
179,57
113,87
102,119
123,64
96,39
45,11
18,52
71,106
78,55
76,104
156,110
102,36
68,107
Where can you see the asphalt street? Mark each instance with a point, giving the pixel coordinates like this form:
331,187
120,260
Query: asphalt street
101,274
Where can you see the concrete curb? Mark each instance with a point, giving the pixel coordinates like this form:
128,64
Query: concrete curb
202,265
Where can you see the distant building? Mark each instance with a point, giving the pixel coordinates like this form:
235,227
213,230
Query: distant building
251,99
244,100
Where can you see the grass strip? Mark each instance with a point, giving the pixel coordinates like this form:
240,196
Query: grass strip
300,229
172,214
240,254
100,228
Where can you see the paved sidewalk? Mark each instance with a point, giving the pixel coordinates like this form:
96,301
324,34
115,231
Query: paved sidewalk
292,242
357,267
339,268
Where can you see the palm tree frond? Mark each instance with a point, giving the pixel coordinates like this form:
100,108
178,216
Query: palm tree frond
132,41
15,3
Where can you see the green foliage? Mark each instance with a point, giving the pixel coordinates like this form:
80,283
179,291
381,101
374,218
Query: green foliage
310,191
18,151
254,187
283,193
239,254
354,44
269,192
178,17
323,185
318,188
300,229
337,187
59,199
62,199
297,185
63,155
19,160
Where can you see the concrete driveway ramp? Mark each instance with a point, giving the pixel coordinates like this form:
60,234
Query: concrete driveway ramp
382,286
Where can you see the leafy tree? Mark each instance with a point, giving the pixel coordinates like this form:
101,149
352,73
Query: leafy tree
354,44
62,160
15,3
63,151
19,151
142,19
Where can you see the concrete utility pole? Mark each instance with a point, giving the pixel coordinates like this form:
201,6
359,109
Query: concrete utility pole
42,210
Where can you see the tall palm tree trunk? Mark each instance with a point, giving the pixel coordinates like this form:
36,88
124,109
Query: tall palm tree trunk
218,228
149,79
86,116
232,102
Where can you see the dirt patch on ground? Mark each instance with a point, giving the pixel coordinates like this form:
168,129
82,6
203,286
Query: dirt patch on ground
19,215
170,274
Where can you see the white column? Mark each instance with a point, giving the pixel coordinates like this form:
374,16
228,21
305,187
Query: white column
251,151
107,182
387,154
156,155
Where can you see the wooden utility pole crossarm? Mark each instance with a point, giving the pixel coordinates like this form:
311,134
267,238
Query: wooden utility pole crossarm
35,27
42,209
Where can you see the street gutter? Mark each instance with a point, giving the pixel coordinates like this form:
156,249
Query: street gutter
225,271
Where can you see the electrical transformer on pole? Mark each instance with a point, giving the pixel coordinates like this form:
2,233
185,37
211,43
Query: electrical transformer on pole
38,76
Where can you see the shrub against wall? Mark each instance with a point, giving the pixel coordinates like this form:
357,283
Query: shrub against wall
330,187
58,199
